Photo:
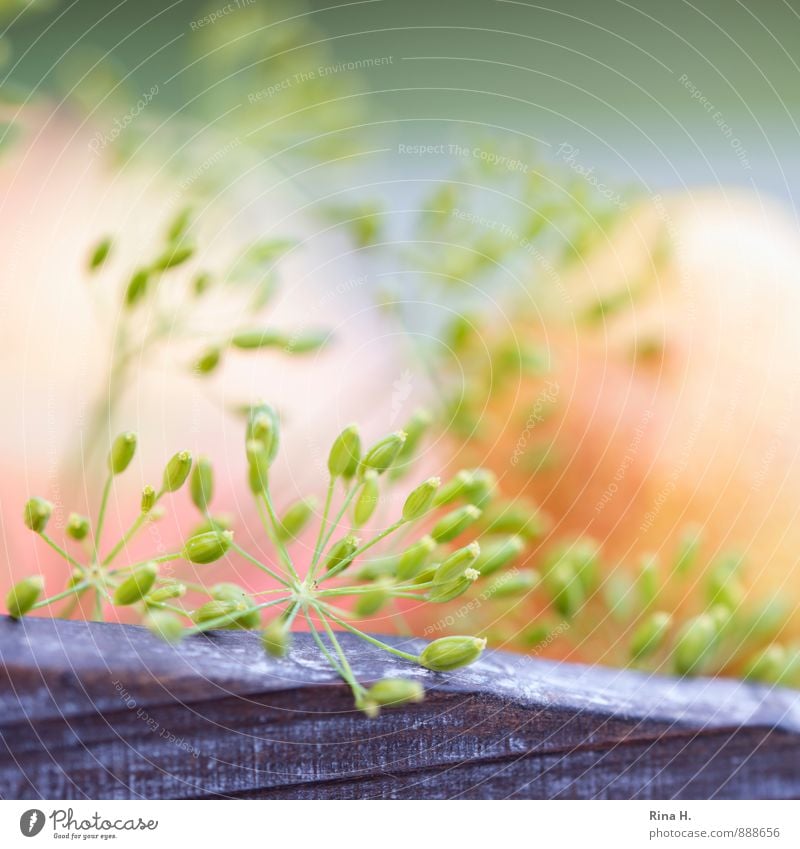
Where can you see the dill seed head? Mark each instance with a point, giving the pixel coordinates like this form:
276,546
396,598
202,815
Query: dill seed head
177,470
455,523
201,484
384,452
420,500
164,625
517,517
515,584
367,499
566,591
449,653
232,614
345,454
694,644
207,547
307,342
770,665
179,226
368,604
496,554
296,518
227,592
23,595
77,526
165,593
37,513
252,340
414,429
393,692
138,585
173,257
276,638
148,499
137,287
481,486
453,489
455,565
650,635
122,451
341,552
414,558
208,360
100,253
264,426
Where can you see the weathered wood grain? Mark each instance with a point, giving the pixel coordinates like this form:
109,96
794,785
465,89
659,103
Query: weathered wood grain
107,711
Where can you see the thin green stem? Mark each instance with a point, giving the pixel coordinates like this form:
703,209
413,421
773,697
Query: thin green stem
357,689
322,647
66,555
137,525
375,642
101,516
78,588
276,538
360,590
277,576
322,526
342,510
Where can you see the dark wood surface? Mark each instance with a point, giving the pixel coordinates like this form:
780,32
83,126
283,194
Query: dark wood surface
107,711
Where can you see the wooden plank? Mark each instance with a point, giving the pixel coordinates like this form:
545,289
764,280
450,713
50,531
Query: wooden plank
107,711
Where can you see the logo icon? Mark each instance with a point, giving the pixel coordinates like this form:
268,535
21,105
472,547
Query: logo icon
31,822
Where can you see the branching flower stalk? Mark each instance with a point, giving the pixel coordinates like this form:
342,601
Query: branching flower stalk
433,568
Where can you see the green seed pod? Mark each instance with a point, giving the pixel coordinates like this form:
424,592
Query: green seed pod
457,563
769,666
448,653
252,340
228,592
647,584
619,596
455,523
148,499
414,558
481,487
202,283
207,547
420,500
231,614
516,583
138,585
137,287
307,341
100,253
296,518
414,429
345,454
496,554
173,257
379,567
276,638
566,591
340,554
694,644
453,489
441,593
368,604
179,226
688,550
201,485
515,517
208,361
723,586
393,692
22,596
539,635
121,454
37,513
77,526
165,625
165,593
384,452
367,499
650,635
176,471
264,426
258,464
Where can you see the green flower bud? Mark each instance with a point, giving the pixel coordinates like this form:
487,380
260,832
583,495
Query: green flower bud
37,513
514,584
137,287
441,593
455,565
276,638
377,568
694,643
148,499
231,614
368,604
481,486
207,547
453,489
566,590
258,463
173,257
201,485
77,526
165,593
164,625
384,452
367,499
252,340
100,253
498,553
769,666
264,426
22,596
455,523
393,692
647,583
296,518
420,500
517,517
723,585
414,558
121,454
345,454
341,553
448,653
688,550
177,470
208,360
138,585
227,592
650,635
